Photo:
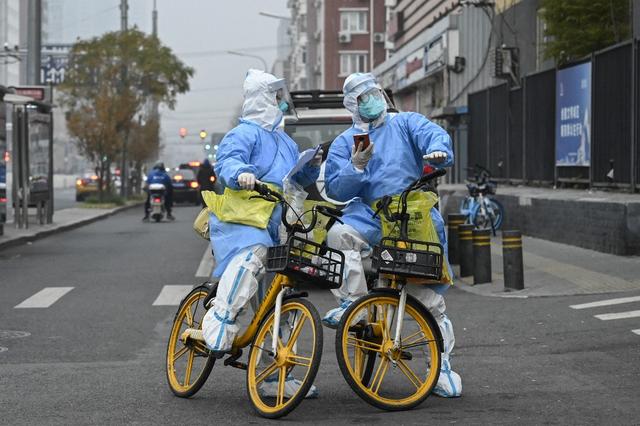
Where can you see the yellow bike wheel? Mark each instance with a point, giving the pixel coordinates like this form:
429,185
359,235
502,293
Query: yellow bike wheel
397,378
298,356
188,366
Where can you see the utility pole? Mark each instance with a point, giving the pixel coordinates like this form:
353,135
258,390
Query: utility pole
124,9
635,18
34,41
154,17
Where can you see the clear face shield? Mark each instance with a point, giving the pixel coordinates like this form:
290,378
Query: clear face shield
284,100
376,92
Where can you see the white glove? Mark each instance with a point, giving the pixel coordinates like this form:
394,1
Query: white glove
247,180
436,157
317,159
359,158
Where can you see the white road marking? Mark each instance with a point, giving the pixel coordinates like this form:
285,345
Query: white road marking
45,297
606,302
206,264
636,331
618,315
171,295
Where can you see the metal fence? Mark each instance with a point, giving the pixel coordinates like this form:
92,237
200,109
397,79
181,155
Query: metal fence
513,131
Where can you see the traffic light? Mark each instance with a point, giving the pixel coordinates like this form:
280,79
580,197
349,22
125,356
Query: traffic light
207,147
183,132
203,134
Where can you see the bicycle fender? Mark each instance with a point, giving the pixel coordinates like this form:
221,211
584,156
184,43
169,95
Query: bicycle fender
295,295
385,290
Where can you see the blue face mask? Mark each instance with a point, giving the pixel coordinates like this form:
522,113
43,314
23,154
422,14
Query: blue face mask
372,107
284,107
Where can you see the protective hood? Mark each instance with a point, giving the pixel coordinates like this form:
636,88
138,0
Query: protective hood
260,104
355,85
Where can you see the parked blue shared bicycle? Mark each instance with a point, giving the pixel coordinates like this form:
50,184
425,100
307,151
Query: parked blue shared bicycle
479,207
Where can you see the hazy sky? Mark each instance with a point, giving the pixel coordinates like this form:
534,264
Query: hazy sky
199,32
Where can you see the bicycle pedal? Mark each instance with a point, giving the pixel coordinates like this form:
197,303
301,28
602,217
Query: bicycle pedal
236,364
192,334
233,357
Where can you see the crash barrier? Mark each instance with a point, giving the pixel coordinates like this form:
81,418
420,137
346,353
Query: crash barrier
512,260
465,249
454,220
481,256
512,130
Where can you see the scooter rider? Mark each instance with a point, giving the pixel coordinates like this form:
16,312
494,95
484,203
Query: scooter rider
159,175
394,159
256,150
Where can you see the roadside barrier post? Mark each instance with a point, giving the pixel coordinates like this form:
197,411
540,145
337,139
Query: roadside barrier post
465,244
481,256
512,258
453,221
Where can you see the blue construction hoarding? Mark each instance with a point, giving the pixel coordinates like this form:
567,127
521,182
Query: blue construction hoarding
573,116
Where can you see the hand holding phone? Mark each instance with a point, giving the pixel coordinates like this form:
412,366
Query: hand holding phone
361,141
362,151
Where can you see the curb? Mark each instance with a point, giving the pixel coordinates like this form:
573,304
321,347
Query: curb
62,228
483,290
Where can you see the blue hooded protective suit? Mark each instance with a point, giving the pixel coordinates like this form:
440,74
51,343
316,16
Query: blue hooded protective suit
257,146
399,142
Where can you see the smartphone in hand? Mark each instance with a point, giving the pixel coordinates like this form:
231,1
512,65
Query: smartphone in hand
361,139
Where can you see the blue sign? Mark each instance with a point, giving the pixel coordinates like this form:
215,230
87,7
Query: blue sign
573,116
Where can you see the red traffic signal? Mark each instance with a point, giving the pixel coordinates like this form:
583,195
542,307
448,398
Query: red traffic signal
183,132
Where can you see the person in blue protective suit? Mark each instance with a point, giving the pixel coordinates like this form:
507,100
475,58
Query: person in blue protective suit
159,175
256,150
400,142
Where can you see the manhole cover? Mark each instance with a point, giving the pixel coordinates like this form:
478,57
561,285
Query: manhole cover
3,349
12,334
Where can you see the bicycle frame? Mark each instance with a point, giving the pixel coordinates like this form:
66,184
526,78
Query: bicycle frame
274,296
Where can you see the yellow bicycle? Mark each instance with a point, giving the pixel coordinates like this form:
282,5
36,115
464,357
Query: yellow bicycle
285,334
388,344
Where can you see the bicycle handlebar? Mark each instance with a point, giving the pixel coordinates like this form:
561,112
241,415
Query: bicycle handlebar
275,197
385,202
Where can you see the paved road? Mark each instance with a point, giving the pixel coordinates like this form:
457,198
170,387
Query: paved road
95,353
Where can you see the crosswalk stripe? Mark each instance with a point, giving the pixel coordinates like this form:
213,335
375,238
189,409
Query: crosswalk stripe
44,298
636,331
206,264
171,295
606,302
618,315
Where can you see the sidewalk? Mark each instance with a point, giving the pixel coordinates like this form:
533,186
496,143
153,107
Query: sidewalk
63,220
554,269
608,222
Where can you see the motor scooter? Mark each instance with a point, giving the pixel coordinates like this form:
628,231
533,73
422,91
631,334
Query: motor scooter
157,194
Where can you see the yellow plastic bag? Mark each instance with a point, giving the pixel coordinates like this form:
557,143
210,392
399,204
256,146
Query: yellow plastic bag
235,206
420,227
201,224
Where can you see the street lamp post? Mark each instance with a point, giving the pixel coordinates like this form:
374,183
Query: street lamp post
248,55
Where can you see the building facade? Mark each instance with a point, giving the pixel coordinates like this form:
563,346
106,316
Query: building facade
439,51
332,39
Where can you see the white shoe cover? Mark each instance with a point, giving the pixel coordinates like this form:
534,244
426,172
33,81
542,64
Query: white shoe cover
332,318
269,388
449,383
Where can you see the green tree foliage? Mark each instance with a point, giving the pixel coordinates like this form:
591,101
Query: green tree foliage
110,82
578,27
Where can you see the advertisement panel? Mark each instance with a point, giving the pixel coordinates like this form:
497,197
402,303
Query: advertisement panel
573,116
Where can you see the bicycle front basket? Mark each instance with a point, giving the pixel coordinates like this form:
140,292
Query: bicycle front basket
408,258
307,261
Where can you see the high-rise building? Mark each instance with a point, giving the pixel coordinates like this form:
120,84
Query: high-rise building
10,40
332,39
